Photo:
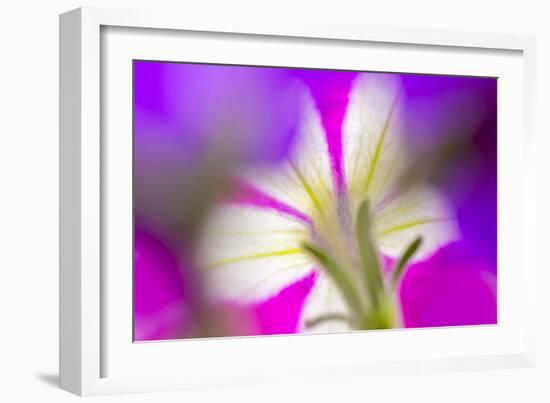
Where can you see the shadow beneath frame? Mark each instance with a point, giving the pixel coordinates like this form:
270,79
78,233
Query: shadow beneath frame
49,379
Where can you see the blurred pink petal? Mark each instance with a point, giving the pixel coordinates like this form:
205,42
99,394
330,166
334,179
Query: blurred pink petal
281,313
330,89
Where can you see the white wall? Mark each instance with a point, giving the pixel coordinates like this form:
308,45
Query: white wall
29,201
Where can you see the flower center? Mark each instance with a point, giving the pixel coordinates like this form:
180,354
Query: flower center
344,246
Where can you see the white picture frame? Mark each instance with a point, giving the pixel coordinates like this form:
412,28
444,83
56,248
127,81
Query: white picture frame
97,357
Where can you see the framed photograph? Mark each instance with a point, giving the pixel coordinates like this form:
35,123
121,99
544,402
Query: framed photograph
253,201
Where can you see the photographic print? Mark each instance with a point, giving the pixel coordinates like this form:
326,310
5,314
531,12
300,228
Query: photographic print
275,201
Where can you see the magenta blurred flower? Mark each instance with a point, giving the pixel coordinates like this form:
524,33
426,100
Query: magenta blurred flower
159,298
452,287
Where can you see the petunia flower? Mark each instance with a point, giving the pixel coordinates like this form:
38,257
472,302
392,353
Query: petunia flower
334,207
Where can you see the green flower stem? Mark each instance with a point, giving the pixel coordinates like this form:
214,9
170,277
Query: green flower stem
383,317
369,256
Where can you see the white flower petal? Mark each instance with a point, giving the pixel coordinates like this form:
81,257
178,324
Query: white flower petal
375,157
249,253
372,143
419,212
304,182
